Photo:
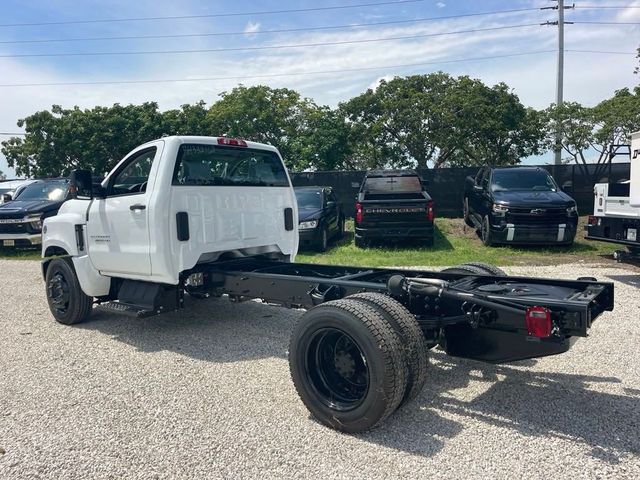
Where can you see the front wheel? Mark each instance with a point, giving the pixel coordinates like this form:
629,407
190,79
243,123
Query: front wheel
486,233
347,364
67,302
465,212
323,241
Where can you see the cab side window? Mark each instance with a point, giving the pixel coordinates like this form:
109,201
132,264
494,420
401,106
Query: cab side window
133,176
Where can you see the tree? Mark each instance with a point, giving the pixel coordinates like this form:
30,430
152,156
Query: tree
2,175
441,120
61,140
188,120
597,129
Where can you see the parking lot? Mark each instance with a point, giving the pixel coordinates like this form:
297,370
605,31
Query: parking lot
205,393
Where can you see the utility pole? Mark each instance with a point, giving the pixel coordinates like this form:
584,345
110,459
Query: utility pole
560,73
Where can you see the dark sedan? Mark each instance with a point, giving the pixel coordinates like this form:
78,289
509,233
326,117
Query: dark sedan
320,217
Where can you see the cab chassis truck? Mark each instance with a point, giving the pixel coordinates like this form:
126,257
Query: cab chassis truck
207,216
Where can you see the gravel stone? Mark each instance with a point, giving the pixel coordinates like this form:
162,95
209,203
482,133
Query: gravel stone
206,393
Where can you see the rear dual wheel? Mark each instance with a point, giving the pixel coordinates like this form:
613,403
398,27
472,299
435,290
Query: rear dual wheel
353,361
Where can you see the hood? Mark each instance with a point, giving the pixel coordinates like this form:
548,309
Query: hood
534,198
25,207
305,214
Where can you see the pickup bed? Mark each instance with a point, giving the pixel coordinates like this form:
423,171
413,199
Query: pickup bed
392,205
203,216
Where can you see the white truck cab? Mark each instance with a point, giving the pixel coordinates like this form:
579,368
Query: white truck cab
172,204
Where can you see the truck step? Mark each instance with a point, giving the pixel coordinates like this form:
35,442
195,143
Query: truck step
128,309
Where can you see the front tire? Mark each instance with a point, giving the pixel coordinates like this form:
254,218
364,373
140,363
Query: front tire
323,241
67,302
486,233
465,212
347,365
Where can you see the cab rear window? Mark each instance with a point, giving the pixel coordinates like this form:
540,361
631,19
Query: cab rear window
210,165
405,184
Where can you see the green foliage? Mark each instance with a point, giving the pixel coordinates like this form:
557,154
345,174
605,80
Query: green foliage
582,129
441,120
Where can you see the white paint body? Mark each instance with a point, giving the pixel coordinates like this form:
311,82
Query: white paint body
634,189
142,244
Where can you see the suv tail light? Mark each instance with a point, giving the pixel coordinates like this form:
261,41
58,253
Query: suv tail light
358,213
538,320
430,211
234,142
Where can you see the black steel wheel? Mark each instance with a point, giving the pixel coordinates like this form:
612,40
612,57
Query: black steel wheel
413,340
347,365
67,302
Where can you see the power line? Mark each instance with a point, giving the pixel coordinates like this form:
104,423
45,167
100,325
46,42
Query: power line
602,23
262,32
602,51
266,47
273,75
212,15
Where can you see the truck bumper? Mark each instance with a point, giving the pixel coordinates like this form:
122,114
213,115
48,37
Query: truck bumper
620,230
396,233
562,233
20,239
309,237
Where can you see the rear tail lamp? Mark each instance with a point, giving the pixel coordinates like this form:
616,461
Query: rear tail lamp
430,211
538,320
234,142
358,213
593,221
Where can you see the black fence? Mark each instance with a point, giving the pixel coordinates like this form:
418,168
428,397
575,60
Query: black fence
446,185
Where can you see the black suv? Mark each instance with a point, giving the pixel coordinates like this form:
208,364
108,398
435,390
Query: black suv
21,219
393,205
519,205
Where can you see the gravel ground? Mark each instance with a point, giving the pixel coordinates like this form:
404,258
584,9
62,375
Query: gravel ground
206,394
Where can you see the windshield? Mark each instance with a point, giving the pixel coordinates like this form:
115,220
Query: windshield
200,164
52,191
509,180
309,198
406,184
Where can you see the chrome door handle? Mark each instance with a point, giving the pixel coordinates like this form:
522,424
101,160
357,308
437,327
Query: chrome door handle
137,206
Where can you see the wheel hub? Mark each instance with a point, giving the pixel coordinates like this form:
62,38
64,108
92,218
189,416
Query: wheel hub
345,364
58,292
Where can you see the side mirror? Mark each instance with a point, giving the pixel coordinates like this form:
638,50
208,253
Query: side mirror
81,184
6,197
331,204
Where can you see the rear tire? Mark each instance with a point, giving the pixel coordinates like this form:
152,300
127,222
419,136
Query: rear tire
490,269
67,302
411,336
361,242
323,242
347,365
465,270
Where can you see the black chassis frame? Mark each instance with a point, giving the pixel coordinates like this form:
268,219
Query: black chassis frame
481,317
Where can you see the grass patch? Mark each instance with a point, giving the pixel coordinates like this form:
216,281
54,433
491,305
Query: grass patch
20,253
456,243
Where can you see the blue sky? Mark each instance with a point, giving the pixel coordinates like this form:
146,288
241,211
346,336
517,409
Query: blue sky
589,78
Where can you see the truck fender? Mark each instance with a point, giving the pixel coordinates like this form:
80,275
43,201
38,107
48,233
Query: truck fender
59,233
91,282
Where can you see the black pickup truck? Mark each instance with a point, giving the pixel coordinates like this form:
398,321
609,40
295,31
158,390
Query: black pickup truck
521,205
393,205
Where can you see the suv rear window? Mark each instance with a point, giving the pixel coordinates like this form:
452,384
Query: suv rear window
407,184
199,164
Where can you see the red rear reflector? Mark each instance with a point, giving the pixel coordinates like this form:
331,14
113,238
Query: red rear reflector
538,320
430,211
593,220
234,142
358,213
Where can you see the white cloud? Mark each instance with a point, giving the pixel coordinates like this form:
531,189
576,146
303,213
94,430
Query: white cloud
631,13
252,27
441,4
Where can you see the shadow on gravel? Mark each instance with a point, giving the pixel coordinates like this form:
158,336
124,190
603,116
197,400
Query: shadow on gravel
214,330
631,280
540,405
